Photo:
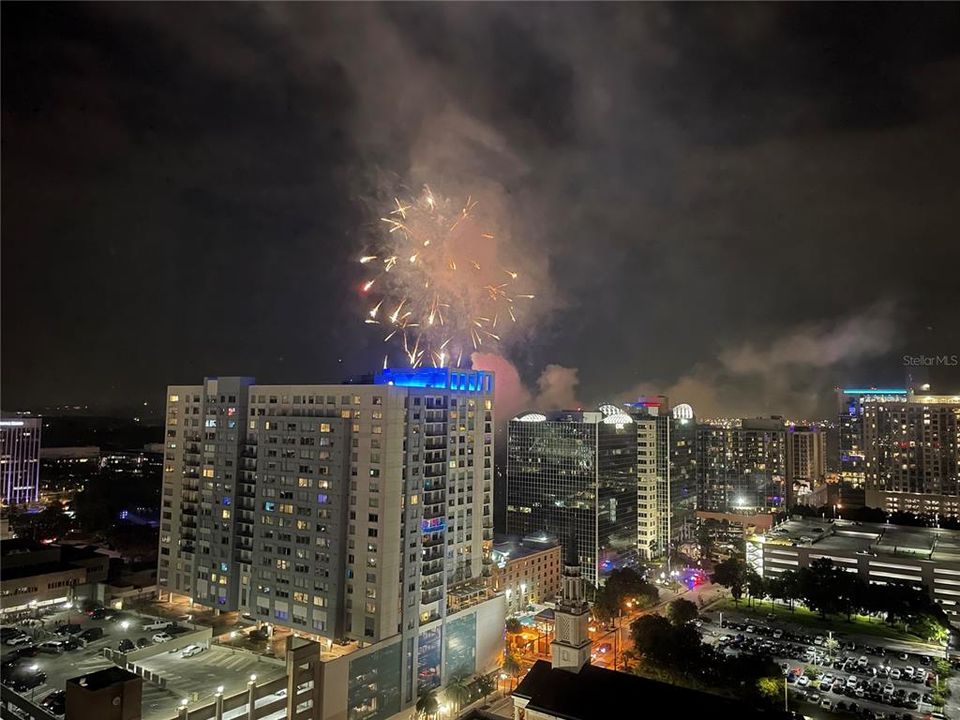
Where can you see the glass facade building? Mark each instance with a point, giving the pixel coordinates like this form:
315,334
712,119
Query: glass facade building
574,473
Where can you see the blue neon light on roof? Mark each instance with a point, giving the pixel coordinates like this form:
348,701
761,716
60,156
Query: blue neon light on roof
478,381
872,391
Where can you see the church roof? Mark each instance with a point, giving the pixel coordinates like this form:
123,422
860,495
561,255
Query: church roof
596,693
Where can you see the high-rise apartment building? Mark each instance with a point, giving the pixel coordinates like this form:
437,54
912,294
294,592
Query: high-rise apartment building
741,465
851,403
806,460
19,460
666,475
912,454
575,473
351,511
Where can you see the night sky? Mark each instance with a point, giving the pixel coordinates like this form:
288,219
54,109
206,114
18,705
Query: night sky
742,206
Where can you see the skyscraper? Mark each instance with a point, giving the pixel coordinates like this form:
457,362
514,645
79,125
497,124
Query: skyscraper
851,403
576,472
358,511
806,460
741,465
20,460
912,454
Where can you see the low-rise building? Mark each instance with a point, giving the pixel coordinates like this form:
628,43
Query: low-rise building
877,552
526,571
36,575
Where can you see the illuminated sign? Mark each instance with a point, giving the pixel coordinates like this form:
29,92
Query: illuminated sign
433,524
478,381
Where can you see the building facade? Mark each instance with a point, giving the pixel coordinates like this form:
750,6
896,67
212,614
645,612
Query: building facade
851,401
806,461
20,460
912,454
741,465
344,512
528,571
575,472
878,553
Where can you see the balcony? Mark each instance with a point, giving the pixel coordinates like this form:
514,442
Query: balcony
434,540
434,582
431,567
431,596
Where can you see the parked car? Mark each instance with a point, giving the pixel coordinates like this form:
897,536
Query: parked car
143,642
162,637
156,624
15,640
70,629
54,647
91,634
70,643
26,681
55,702
126,645
191,650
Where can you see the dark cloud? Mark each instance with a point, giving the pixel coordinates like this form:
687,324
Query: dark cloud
186,186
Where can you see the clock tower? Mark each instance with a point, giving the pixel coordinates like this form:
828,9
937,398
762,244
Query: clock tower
570,648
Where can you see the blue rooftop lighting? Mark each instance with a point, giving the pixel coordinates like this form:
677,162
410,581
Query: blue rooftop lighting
874,391
479,381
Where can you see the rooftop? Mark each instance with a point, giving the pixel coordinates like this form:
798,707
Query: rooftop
876,538
596,692
103,678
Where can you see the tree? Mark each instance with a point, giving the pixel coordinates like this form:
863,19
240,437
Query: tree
732,574
427,704
485,685
818,586
663,645
681,611
623,585
756,586
514,626
770,688
458,690
511,665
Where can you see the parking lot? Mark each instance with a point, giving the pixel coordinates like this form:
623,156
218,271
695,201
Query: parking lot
198,677
195,678
835,676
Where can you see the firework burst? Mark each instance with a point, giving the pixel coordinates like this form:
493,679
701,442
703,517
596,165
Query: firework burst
435,284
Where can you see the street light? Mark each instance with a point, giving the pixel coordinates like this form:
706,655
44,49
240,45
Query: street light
253,677
124,624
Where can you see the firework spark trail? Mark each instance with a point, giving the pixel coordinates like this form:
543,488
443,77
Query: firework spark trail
436,277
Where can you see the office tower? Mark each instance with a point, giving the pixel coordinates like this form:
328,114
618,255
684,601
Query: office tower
912,453
806,461
741,465
357,511
19,460
851,405
575,472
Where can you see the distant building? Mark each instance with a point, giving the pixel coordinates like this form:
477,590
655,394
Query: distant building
851,403
741,465
912,454
19,460
527,572
806,461
36,576
877,552
726,532
666,475
576,472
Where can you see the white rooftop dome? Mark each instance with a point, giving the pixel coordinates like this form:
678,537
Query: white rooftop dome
531,417
683,412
